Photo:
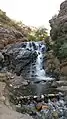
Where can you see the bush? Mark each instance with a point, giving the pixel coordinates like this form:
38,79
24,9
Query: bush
63,51
37,34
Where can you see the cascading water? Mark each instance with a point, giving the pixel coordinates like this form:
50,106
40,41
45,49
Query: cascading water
40,73
36,94
38,98
36,68
36,74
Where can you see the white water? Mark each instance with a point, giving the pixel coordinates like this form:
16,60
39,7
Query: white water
37,70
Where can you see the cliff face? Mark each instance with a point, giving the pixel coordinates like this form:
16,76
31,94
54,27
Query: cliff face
9,36
59,23
12,36
10,31
58,34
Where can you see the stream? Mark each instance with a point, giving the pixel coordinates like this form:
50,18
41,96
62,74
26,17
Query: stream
39,98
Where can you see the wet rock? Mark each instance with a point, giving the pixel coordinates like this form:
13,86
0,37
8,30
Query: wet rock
55,115
1,57
39,106
65,98
54,84
52,64
17,81
62,89
2,88
44,106
18,58
61,83
1,61
35,47
2,99
64,69
63,78
4,77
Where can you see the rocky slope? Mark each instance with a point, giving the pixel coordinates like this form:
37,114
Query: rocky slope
6,111
11,31
12,36
58,34
9,36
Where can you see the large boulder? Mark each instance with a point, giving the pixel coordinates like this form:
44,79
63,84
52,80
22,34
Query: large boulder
18,58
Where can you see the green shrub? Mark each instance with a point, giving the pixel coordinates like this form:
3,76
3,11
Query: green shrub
63,51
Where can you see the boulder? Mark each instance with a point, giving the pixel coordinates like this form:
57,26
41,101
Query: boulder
1,57
55,115
52,64
5,76
18,58
1,61
39,106
62,89
63,68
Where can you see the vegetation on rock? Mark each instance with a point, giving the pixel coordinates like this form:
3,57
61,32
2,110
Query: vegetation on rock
17,28
58,32
37,34
58,35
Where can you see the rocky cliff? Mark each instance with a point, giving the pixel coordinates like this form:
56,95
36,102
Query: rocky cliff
12,36
58,34
11,31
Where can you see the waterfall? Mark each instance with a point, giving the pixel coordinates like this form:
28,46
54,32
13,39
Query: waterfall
36,68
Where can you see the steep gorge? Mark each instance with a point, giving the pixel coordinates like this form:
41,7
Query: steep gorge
18,56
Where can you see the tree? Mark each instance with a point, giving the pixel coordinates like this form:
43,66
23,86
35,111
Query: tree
41,34
37,34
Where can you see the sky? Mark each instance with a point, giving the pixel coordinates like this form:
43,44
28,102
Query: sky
31,12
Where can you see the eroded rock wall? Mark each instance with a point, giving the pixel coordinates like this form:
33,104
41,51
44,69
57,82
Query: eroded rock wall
58,34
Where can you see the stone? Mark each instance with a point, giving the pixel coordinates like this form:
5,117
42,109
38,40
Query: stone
61,83
55,115
62,89
18,59
45,107
2,99
3,77
63,78
17,81
54,84
38,106
52,65
64,70
1,57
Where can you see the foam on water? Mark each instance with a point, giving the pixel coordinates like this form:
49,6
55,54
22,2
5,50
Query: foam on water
36,69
